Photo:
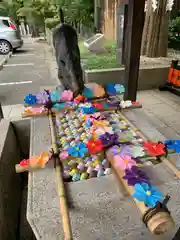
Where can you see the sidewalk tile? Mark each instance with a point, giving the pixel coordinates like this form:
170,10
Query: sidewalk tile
6,111
17,110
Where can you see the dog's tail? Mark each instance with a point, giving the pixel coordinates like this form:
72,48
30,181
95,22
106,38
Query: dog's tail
61,15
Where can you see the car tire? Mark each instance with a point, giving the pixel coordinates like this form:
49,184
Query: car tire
5,47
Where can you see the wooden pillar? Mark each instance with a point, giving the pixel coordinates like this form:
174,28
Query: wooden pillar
121,23
135,25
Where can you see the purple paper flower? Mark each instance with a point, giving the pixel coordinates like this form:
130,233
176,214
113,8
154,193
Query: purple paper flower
135,175
42,97
121,150
109,139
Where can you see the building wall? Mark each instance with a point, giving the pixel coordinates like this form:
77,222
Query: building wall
108,25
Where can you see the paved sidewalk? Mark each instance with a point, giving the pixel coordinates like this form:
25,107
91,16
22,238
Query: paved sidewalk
163,108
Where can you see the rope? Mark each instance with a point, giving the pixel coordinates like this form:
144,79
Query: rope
160,207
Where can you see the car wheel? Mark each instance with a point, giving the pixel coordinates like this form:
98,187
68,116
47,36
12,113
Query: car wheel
5,47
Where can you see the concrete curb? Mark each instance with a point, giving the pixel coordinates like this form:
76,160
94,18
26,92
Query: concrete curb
5,59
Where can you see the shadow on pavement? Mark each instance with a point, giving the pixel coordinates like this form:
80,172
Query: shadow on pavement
19,51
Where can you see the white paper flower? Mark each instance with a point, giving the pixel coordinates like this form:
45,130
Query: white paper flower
125,104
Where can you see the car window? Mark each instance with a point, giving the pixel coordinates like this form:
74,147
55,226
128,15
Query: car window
5,22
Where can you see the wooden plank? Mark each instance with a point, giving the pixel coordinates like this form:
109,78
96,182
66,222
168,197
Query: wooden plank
135,25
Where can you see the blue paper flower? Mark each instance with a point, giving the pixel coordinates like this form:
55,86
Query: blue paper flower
30,99
147,194
76,177
87,93
87,110
110,89
88,124
119,88
55,96
79,150
173,145
58,106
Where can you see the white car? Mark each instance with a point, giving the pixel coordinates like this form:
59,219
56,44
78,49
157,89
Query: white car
10,36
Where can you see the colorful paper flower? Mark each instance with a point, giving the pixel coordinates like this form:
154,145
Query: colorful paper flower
94,146
98,91
137,151
109,139
99,106
124,162
88,110
58,106
147,194
55,96
76,177
87,93
24,163
120,151
42,97
30,99
155,149
88,123
135,175
102,124
79,150
173,145
37,110
67,95
125,104
110,89
119,88
79,99
63,155
39,161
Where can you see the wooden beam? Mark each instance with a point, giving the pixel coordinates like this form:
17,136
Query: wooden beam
135,25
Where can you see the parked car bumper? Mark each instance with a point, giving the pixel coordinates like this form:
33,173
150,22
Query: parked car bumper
17,43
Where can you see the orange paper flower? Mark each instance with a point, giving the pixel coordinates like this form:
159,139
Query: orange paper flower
97,124
79,99
98,91
39,161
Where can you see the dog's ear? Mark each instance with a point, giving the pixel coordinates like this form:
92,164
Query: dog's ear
61,15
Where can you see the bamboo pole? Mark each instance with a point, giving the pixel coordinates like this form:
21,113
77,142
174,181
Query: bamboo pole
169,164
60,186
44,113
160,222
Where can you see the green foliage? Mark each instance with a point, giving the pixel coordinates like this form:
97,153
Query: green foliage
100,61
9,9
77,10
174,27
51,22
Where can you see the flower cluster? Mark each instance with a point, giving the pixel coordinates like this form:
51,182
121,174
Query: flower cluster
135,177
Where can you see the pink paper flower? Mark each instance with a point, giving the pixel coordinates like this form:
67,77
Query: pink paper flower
124,162
67,95
63,155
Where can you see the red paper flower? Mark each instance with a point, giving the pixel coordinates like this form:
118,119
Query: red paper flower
135,102
79,99
155,149
24,163
94,146
97,105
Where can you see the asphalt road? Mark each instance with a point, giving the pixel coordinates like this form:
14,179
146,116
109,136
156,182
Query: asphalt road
26,72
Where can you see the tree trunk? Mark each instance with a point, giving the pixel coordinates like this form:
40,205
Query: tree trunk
155,34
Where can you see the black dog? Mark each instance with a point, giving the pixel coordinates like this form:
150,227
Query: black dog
68,58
